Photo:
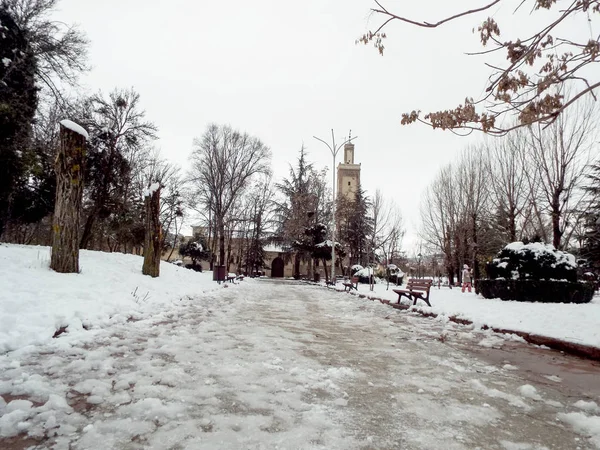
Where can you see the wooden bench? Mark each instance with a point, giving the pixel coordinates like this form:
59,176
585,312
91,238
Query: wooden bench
416,289
351,284
231,277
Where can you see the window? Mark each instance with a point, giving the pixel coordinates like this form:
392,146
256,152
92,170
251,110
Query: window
348,183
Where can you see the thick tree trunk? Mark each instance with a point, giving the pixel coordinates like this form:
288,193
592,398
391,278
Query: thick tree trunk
556,231
325,269
475,261
87,229
67,208
152,238
221,246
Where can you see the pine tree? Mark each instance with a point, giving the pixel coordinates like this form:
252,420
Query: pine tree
591,243
294,211
355,225
18,102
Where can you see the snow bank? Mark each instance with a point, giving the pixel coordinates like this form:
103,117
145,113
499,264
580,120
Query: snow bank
571,322
36,301
75,127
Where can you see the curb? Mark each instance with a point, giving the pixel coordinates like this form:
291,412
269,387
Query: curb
572,348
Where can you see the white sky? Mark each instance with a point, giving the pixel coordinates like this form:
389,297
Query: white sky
286,71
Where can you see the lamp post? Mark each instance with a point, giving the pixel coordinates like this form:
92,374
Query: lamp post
334,151
419,266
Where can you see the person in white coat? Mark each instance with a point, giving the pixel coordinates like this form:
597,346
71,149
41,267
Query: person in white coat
467,278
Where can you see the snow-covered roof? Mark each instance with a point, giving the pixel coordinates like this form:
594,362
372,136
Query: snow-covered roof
273,248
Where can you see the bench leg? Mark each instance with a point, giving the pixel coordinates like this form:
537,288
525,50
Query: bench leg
421,298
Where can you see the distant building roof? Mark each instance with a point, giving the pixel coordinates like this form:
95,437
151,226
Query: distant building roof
273,248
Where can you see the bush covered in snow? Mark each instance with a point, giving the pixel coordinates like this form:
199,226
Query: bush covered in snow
534,272
536,290
363,275
534,261
355,268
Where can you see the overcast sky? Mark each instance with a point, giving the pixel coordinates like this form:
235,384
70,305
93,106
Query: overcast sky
285,71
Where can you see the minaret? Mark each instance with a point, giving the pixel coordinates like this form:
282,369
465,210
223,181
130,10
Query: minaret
348,173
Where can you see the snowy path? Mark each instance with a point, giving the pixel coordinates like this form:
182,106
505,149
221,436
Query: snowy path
270,365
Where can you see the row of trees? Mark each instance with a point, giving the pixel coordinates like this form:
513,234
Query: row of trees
41,61
238,201
229,184
532,184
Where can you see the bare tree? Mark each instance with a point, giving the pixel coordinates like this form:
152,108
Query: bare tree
388,226
453,210
560,154
509,191
529,85
260,207
473,184
173,192
224,163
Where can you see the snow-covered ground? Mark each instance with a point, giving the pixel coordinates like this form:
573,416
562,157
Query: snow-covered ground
181,362
35,302
578,323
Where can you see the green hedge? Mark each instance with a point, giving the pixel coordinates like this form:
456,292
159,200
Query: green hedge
536,290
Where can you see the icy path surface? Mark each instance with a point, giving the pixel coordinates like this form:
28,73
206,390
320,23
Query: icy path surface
268,365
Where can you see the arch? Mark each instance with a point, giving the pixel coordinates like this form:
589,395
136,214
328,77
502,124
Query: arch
277,268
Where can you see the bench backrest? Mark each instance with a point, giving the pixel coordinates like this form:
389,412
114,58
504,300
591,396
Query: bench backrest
419,283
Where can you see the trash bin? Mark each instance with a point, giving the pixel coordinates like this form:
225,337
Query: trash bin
219,273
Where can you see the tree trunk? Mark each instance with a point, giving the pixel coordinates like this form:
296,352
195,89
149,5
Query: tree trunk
296,274
475,262
221,246
87,229
325,269
67,208
152,238
556,231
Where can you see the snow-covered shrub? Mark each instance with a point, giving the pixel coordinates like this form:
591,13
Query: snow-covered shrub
534,272
355,268
546,291
534,261
363,275
394,274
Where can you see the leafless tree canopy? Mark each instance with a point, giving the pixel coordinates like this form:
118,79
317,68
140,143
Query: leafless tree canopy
528,185
530,85
224,163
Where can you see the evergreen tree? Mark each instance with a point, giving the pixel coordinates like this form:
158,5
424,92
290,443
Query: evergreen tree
295,211
35,53
590,250
355,225
196,249
314,241
18,102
